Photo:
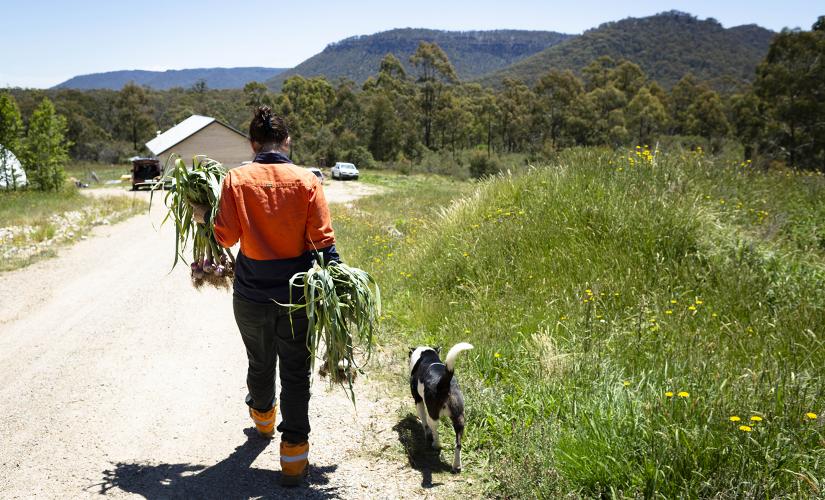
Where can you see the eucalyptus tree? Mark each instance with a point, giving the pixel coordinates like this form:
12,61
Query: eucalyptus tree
434,72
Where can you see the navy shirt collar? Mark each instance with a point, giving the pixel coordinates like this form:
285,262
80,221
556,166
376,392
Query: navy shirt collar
271,157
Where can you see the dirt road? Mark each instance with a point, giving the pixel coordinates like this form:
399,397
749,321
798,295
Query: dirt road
118,378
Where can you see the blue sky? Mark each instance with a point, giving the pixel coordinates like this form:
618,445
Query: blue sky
46,42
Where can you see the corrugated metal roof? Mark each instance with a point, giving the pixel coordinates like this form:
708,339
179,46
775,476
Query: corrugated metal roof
178,133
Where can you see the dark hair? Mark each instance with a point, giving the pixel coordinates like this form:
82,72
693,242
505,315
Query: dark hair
267,128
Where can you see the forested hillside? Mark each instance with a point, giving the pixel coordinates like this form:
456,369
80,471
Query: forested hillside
215,78
473,53
426,117
666,46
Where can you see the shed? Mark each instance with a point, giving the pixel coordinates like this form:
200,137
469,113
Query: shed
12,174
202,135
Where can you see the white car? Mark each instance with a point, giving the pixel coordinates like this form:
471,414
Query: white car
344,171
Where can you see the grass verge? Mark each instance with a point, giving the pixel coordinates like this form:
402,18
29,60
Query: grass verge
645,325
35,224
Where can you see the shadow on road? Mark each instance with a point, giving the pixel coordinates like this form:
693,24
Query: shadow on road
230,478
419,453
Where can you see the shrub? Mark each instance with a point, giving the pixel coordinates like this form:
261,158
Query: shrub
361,157
482,165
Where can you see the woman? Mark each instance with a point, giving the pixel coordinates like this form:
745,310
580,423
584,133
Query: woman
279,214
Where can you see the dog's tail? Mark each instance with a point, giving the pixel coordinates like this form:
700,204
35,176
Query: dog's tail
453,354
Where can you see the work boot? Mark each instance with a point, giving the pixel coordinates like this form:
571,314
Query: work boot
294,463
264,421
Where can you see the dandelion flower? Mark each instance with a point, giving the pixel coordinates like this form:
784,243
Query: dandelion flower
673,301
626,383
811,415
691,308
498,354
700,301
745,428
683,394
668,312
734,418
756,418
669,394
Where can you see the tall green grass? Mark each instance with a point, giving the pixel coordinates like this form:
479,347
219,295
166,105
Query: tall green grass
624,307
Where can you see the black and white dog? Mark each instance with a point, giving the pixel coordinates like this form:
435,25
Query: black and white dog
436,393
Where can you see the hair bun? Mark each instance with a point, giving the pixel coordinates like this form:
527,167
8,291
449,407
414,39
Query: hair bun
267,127
265,115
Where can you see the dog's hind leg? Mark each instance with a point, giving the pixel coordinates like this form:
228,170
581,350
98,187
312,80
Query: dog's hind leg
422,415
458,425
434,429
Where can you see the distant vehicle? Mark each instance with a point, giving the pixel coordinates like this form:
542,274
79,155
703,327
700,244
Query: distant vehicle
318,173
146,172
344,171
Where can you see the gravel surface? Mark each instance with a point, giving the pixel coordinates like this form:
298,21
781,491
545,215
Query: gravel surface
118,378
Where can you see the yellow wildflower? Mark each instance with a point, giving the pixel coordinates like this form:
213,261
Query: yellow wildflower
699,301
811,415
498,354
734,418
669,394
673,301
691,308
683,394
745,428
756,418
626,383
668,312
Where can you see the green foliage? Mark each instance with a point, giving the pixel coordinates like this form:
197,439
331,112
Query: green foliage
11,134
747,120
596,290
473,53
434,71
557,92
657,44
706,116
482,165
411,121
134,121
47,149
361,157
257,95
791,81
646,116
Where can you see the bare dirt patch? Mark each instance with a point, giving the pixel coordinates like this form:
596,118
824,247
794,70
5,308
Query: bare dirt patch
117,377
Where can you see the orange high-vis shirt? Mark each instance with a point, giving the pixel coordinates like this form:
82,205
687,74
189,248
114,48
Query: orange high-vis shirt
276,210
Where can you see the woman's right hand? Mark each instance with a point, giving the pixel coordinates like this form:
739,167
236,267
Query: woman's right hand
199,212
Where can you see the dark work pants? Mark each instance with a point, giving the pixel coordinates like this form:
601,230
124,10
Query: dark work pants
268,336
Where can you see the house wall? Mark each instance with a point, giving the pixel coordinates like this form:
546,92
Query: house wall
215,141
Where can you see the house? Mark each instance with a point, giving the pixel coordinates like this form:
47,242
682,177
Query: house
202,135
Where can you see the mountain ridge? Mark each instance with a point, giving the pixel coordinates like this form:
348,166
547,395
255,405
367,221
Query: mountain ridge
215,78
666,46
472,53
